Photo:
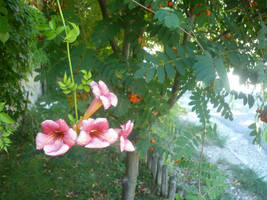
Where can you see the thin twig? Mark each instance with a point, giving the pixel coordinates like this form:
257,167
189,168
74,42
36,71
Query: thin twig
201,156
152,11
149,10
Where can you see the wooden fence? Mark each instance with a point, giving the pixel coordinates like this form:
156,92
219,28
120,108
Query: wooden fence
166,182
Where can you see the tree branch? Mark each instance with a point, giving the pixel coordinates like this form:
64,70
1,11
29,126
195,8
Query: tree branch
104,11
179,27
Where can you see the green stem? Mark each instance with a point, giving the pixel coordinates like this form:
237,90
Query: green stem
69,59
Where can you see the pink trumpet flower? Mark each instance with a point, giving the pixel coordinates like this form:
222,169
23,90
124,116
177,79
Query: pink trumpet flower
124,132
102,97
56,137
95,133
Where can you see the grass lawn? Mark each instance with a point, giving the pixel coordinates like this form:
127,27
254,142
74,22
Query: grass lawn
79,174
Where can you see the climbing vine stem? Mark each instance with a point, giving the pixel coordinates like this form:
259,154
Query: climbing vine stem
69,59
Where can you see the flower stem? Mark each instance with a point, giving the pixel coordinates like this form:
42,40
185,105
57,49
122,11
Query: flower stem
69,59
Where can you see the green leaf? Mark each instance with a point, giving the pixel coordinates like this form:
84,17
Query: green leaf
204,69
265,137
59,29
73,33
3,10
161,74
179,67
43,27
171,53
52,24
6,118
140,72
37,78
2,105
167,17
71,118
220,69
4,37
65,78
170,71
150,74
50,35
3,24
250,101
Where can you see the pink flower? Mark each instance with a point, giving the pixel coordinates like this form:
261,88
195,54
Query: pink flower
56,137
124,132
95,133
103,94
102,97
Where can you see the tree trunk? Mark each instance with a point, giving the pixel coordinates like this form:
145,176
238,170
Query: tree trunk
130,178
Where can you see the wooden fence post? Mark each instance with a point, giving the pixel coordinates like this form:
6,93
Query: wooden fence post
159,173
154,165
172,187
149,159
164,185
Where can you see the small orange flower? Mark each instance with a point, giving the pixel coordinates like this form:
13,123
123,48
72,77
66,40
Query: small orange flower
254,3
169,3
207,13
153,141
134,98
152,148
175,51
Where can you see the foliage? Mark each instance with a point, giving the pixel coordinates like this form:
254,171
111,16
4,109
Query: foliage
250,181
179,141
20,53
7,127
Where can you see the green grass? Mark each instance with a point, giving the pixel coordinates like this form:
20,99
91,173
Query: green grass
79,174
250,181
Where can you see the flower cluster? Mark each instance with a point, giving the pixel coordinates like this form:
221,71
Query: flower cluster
57,137
134,98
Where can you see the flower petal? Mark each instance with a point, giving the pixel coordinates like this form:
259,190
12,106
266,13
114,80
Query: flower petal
103,88
54,146
97,143
63,149
49,126
95,89
122,143
63,126
87,125
83,138
110,136
70,137
41,140
105,101
127,128
128,146
113,99
101,124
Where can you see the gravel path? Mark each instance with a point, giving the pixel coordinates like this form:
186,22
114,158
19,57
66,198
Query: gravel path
238,149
